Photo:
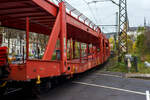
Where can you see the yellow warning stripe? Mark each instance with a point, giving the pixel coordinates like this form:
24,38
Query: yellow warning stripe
3,84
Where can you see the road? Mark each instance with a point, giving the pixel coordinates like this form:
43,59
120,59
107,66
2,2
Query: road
96,86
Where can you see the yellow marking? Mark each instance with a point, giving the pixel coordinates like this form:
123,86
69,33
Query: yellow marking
38,80
3,84
74,69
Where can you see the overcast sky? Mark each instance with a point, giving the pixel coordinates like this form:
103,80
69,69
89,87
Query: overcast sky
104,12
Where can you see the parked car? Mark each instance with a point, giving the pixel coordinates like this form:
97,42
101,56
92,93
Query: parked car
19,57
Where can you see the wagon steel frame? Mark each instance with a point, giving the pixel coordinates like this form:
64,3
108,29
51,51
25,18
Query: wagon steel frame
44,17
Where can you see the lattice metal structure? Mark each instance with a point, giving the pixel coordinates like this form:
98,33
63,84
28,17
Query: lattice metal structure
123,26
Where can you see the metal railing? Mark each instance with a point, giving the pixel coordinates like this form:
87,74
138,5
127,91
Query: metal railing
75,13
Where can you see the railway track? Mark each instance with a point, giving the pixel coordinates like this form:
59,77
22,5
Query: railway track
13,91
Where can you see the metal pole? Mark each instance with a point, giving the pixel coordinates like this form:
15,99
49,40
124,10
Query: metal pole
116,25
122,39
116,35
63,37
74,50
80,53
23,54
87,52
70,49
92,52
27,38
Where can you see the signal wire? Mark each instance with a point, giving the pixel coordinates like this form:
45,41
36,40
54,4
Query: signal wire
90,10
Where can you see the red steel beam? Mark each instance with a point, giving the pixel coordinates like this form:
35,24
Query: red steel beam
46,20
16,8
74,49
92,52
108,48
101,48
70,56
27,38
46,6
80,25
32,16
104,51
87,52
52,39
14,1
80,53
42,17
21,25
21,13
63,37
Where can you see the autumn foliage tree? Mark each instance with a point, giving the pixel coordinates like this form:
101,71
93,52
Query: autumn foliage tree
142,44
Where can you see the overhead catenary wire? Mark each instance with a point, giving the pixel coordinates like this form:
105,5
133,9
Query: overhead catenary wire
83,17
99,20
106,30
90,10
76,13
95,2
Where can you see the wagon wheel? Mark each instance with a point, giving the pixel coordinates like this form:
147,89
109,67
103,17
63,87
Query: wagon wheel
48,86
36,91
2,91
1,73
45,86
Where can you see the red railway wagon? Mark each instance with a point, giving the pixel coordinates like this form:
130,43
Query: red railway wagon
44,17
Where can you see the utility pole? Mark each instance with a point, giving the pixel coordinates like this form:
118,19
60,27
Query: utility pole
117,24
122,33
116,35
144,22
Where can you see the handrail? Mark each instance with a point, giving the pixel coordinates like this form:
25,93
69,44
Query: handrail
84,18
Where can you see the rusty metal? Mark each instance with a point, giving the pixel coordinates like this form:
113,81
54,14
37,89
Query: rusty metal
123,26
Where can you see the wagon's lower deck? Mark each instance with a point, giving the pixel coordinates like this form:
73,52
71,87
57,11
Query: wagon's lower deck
34,68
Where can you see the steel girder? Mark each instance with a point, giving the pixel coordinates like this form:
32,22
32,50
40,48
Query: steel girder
123,24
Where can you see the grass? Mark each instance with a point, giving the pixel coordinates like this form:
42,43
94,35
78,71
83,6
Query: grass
114,66
120,67
142,68
141,59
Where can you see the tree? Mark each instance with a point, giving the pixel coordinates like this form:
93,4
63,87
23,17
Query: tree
141,30
147,40
140,43
112,43
134,47
130,45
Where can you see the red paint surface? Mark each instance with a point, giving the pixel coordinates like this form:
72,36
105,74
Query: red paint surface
49,19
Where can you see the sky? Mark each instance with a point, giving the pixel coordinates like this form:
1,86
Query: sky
104,13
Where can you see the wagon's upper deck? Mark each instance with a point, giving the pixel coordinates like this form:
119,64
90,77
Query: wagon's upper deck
42,14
